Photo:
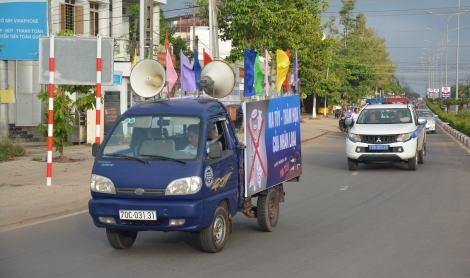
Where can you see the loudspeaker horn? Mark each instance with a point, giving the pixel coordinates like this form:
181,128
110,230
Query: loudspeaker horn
148,78
217,79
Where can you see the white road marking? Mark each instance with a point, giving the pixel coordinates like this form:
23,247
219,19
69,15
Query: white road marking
344,187
19,225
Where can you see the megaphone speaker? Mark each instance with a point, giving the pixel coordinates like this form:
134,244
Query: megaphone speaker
217,79
148,78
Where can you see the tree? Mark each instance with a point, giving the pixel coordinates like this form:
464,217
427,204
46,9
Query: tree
368,66
177,42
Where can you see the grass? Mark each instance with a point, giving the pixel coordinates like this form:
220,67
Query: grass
10,150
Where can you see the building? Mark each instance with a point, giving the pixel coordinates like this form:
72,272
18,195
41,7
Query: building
19,69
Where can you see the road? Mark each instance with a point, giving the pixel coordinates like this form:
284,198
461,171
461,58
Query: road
381,221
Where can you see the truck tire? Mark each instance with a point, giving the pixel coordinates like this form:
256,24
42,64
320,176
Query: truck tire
352,164
268,211
214,237
422,154
121,239
413,162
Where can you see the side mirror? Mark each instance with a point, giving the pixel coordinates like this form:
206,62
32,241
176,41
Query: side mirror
215,150
94,148
348,121
422,121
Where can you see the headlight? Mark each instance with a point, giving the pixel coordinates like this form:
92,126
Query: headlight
102,184
184,186
354,137
405,137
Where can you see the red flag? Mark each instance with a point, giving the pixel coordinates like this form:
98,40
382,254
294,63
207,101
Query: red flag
207,57
167,42
286,82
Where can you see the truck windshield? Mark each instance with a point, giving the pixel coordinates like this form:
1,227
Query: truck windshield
154,137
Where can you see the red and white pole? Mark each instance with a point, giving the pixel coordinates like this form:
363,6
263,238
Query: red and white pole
98,90
50,116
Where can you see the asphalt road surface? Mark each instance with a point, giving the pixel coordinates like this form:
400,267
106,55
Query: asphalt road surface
380,221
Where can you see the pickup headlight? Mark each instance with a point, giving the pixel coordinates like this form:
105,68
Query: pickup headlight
405,137
102,185
354,137
184,186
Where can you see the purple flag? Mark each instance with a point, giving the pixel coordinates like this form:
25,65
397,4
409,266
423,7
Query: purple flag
296,72
188,79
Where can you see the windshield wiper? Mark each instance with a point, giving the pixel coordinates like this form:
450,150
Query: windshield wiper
126,157
162,157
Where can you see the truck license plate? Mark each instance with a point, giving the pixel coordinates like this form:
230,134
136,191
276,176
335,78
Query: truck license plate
137,215
378,147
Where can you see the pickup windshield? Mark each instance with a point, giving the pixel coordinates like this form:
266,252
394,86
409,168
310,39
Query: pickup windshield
151,137
384,116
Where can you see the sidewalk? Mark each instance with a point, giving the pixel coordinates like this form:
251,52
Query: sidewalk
25,198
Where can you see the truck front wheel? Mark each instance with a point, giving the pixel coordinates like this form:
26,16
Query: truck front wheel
121,239
213,238
268,211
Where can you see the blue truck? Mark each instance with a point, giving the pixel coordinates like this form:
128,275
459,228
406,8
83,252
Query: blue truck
178,165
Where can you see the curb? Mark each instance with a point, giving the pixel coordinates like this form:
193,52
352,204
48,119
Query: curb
457,134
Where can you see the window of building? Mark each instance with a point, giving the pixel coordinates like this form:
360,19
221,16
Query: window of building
94,19
71,17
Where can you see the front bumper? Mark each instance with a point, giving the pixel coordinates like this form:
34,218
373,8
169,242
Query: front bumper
191,211
430,127
398,151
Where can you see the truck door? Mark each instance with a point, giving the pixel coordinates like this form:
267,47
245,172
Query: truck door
221,174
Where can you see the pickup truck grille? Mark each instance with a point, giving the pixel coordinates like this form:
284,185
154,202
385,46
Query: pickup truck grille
379,139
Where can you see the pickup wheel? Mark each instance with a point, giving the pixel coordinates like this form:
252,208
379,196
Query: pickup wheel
413,162
121,239
268,211
213,237
352,164
422,154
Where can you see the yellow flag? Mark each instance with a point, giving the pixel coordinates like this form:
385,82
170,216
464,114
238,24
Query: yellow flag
135,57
282,66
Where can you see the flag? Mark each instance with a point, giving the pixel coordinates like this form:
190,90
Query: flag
207,57
171,75
258,75
135,57
249,64
167,43
286,81
149,54
282,66
188,79
197,69
296,72
266,74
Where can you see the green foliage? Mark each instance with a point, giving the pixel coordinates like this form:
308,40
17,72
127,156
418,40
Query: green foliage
177,42
459,121
63,120
9,150
368,66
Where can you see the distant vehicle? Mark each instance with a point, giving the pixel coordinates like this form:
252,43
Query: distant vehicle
387,130
430,118
420,98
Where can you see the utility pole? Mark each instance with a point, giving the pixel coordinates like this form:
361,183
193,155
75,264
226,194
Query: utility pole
194,25
457,60
4,129
134,38
146,27
215,30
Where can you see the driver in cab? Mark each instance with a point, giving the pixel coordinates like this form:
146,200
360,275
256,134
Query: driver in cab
193,136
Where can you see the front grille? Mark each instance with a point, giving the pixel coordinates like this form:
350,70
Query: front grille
147,192
379,139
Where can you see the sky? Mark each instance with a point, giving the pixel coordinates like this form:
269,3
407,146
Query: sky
420,54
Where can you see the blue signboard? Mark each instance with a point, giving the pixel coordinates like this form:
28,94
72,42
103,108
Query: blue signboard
21,25
272,133
445,95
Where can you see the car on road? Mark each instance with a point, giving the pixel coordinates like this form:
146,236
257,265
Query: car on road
430,118
387,130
